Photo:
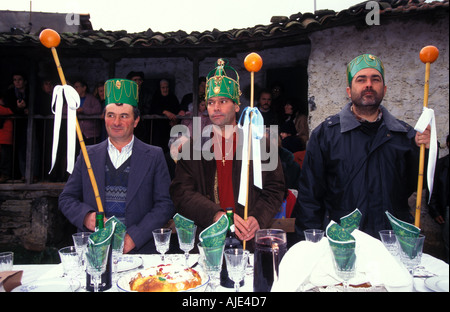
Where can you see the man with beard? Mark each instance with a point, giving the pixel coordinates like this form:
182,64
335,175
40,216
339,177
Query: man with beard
362,157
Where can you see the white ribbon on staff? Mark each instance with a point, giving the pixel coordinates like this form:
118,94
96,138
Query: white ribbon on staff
73,102
252,118
428,118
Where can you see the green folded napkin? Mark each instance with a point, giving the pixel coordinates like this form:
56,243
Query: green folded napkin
213,256
351,221
215,234
99,243
406,233
182,222
119,232
186,229
212,242
342,245
403,228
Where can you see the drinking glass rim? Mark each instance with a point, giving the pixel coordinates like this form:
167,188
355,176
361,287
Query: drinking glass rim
161,230
64,250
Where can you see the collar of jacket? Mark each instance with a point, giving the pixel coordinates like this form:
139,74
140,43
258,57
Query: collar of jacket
349,122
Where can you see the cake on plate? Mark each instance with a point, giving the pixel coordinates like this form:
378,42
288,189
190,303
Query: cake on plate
165,278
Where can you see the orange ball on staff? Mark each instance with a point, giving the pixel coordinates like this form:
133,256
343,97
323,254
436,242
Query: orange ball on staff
429,54
253,62
49,38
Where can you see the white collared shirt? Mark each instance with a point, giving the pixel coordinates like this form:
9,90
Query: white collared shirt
118,158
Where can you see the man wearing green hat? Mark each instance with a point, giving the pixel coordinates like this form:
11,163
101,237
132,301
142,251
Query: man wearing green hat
202,189
132,177
362,157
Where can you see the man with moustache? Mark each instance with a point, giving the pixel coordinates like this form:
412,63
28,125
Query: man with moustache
203,188
132,177
264,106
362,157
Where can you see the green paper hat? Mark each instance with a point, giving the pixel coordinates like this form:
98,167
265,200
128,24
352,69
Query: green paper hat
122,91
361,62
218,83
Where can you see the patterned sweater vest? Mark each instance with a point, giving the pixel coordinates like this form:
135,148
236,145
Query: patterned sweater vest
116,184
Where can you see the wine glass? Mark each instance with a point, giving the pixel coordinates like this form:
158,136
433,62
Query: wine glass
162,240
70,260
411,253
96,263
186,239
314,235
344,260
389,241
117,251
236,259
80,241
211,259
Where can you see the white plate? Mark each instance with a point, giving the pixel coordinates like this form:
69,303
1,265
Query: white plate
50,285
127,263
437,283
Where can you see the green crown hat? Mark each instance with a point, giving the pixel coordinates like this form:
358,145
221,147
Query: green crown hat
361,62
122,91
218,83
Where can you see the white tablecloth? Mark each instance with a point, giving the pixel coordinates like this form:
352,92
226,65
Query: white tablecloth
309,265
44,272
48,272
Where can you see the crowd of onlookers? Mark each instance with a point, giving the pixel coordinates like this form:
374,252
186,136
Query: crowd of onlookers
287,113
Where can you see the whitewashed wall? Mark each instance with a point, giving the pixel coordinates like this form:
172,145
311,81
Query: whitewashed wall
398,45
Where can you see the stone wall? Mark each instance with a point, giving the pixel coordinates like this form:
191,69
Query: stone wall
31,219
398,44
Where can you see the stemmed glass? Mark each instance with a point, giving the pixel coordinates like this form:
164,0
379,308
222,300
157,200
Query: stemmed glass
117,251
346,273
314,235
80,241
162,240
236,259
411,253
70,260
96,263
186,239
211,259
344,263
389,241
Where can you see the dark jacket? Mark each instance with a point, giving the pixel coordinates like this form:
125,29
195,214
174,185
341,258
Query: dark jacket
439,200
345,168
194,191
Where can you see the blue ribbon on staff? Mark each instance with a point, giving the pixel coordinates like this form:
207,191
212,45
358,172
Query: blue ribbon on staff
254,121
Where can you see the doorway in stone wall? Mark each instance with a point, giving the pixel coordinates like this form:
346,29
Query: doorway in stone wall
293,84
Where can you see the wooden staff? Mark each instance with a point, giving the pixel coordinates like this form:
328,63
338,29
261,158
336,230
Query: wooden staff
51,39
428,55
253,63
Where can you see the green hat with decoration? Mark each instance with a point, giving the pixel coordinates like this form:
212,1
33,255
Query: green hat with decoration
122,91
218,83
361,62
